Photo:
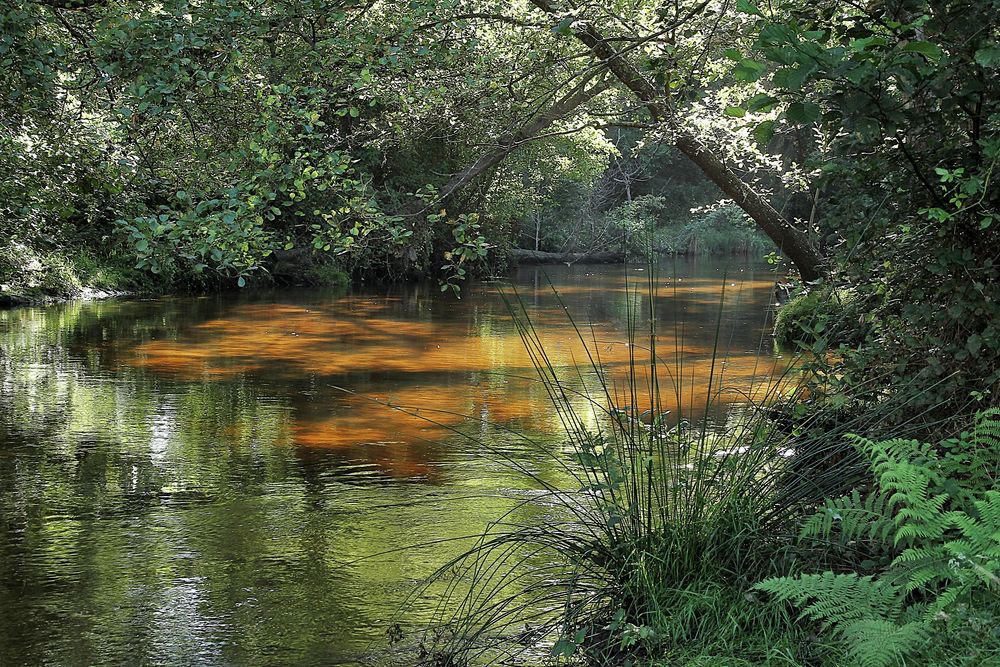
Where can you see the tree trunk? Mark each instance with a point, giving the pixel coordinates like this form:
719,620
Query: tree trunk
524,256
790,240
578,95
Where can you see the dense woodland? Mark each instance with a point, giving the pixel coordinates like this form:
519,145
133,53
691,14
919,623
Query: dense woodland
196,145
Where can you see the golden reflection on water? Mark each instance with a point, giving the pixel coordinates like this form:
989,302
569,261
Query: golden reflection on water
458,363
205,480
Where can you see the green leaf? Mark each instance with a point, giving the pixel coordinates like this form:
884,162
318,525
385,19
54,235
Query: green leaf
563,27
761,103
929,49
764,132
563,647
748,70
774,34
736,112
974,344
802,112
792,78
988,57
747,7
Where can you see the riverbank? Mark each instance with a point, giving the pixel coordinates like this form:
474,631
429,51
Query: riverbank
36,277
29,276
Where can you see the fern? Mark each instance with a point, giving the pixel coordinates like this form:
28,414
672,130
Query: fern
933,505
874,642
835,599
851,518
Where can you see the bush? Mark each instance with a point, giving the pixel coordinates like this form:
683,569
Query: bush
725,230
798,316
822,312
324,272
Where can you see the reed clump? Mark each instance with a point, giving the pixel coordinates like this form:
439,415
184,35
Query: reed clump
673,515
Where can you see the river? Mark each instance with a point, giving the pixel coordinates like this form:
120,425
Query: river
212,480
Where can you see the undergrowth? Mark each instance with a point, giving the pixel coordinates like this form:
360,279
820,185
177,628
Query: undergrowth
674,518
29,274
933,516
691,540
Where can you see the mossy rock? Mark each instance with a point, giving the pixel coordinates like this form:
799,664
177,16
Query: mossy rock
809,315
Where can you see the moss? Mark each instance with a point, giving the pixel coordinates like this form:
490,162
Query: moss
797,320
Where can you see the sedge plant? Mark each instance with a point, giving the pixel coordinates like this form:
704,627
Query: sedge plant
652,552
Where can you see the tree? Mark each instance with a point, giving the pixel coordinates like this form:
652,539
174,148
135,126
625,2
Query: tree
789,239
906,100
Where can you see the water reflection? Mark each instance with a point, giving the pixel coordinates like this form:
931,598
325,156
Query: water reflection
194,480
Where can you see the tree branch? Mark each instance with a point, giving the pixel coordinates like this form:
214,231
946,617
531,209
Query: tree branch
790,240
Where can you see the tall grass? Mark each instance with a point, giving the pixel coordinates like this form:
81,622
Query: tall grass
670,521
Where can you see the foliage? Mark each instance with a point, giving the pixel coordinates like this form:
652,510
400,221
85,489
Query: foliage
214,142
796,318
652,557
721,230
233,135
27,275
904,106
938,511
817,316
470,246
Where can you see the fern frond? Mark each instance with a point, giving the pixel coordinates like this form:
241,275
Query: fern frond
941,506
917,568
835,599
874,642
989,512
851,518
946,599
986,432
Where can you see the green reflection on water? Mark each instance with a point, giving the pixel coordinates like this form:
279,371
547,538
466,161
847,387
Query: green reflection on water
182,481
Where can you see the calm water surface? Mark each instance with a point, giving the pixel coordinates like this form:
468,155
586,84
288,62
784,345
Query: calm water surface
206,480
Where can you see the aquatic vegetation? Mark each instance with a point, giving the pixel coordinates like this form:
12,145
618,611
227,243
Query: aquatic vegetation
672,521
656,555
